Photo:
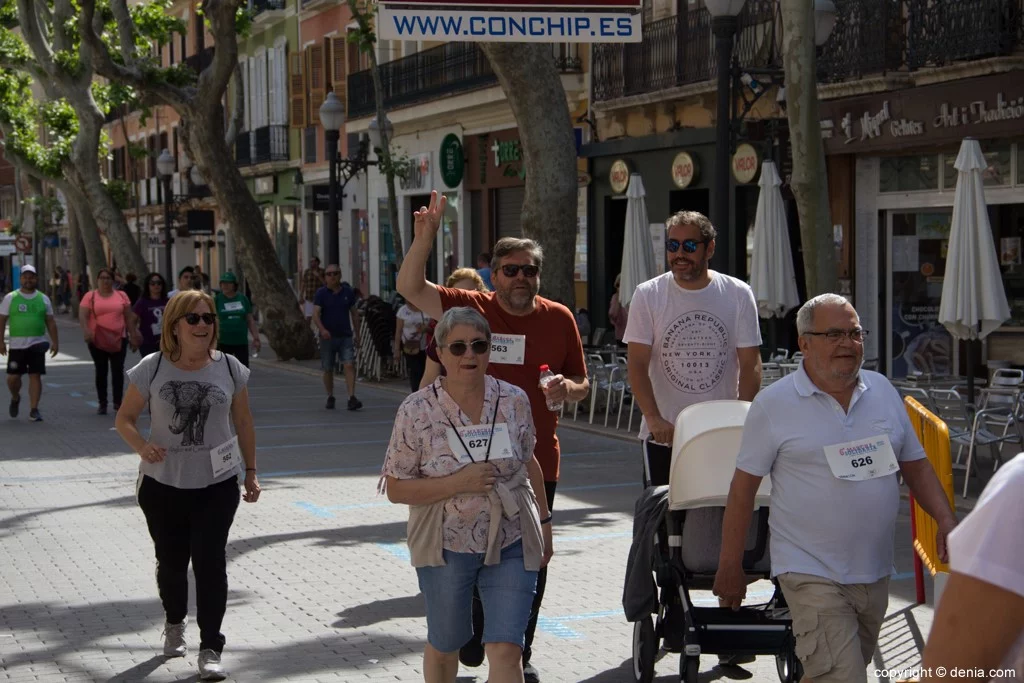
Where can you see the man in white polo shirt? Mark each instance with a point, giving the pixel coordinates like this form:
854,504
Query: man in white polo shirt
833,437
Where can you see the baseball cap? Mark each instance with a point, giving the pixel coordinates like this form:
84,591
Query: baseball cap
28,269
229,277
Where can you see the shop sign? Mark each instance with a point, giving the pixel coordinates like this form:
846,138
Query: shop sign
618,176
265,184
453,161
745,163
684,170
582,179
418,175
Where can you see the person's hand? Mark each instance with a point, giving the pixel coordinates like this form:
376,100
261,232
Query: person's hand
153,453
3,347
478,477
661,430
325,335
428,219
88,336
549,548
54,349
730,585
257,344
556,390
941,534
252,487
136,339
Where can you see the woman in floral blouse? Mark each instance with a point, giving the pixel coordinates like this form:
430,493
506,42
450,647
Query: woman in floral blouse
461,457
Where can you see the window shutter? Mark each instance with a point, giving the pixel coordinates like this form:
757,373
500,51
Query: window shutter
247,85
317,85
296,90
265,81
339,69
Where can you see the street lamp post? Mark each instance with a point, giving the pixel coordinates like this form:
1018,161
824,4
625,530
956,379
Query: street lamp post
332,117
165,169
724,23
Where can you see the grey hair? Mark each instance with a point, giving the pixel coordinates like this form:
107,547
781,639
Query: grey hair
510,245
460,315
694,218
805,316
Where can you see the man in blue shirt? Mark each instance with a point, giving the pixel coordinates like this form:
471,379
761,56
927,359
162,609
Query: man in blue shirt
483,267
337,319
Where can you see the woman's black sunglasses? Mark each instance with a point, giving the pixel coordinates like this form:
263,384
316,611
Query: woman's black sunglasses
689,246
511,270
194,318
155,282
479,346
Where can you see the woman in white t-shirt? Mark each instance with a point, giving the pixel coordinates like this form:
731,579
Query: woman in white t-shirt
978,628
411,326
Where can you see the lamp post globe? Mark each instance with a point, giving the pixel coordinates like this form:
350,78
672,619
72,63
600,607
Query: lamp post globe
332,113
165,164
165,169
824,21
376,137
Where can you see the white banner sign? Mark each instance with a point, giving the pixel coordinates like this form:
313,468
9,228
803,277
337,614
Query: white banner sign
478,25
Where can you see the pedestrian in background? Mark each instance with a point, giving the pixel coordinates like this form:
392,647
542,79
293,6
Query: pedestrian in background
312,280
104,315
478,517
131,288
236,320
463,278
337,319
31,315
618,315
146,325
201,443
411,327
186,281
483,269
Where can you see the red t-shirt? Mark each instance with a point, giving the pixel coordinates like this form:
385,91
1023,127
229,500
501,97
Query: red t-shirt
552,339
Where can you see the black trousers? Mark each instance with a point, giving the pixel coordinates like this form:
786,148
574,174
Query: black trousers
416,365
542,580
239,351
192,524
113,363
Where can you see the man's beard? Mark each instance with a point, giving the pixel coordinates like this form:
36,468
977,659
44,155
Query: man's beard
697,272
518,299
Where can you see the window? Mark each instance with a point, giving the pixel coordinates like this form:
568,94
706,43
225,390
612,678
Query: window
246,96
909,174
309,144
998,156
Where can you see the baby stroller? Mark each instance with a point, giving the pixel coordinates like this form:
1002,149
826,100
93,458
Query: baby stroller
677,533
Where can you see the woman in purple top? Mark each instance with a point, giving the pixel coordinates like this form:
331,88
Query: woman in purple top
149,314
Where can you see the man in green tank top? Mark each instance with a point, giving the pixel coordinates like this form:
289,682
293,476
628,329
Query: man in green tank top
31,316
234,311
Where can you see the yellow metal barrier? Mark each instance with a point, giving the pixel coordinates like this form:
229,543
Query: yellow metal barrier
934,436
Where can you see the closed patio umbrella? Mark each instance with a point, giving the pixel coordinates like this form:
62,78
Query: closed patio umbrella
637,249
973,299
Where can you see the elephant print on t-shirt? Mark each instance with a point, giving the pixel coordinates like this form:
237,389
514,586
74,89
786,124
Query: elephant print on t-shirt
192,402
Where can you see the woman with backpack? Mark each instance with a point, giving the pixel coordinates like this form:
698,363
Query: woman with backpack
104,315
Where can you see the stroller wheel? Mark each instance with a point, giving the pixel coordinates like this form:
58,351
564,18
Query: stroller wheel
645,650
789,667
689,669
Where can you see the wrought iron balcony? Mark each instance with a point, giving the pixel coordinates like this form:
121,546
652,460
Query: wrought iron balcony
243,149
270,143
200,60
259,6
942,31
441,71
679,50
867,39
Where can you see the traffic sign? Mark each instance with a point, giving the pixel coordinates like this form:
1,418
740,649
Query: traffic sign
23,243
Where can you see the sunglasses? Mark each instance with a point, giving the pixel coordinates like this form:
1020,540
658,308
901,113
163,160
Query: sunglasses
479,346
512,270
155,282
689,246
194,318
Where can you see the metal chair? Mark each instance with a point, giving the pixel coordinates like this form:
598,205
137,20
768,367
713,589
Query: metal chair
600,380
770,373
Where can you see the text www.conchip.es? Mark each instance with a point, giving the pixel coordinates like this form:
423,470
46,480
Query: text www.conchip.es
512,25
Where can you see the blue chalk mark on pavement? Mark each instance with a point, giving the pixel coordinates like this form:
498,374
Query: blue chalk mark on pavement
399,550
327,511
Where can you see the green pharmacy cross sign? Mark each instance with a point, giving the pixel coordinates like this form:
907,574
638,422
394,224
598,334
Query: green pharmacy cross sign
453,163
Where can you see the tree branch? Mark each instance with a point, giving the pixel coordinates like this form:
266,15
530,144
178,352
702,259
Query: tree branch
125,29
32,32
238,111
214,80
61,13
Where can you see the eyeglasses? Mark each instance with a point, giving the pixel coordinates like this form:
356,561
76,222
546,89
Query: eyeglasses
333,272
194,318
155,282
511,270
479,346
856,335
689,246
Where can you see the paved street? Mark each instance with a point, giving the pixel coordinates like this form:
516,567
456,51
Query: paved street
321,587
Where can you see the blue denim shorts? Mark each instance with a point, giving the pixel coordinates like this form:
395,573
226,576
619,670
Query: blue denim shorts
336,348
506,591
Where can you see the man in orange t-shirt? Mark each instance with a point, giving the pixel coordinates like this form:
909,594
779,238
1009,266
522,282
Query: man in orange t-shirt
527,331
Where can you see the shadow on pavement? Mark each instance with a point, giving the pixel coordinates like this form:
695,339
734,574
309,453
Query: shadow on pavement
406,607
900,641
668,672
9,523
144,669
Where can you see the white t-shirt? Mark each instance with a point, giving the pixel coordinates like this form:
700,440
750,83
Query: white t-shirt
987,545
411,324
820,525
5,309
693,337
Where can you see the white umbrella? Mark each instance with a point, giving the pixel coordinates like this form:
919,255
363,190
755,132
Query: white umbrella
637,248
771,271
973,299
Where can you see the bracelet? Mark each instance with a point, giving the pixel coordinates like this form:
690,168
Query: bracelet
250,469
546,520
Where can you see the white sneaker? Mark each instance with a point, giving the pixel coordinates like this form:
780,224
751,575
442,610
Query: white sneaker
209,666
174,639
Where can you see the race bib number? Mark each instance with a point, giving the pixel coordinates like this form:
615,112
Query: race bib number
509,349
232,306
226,457
862,459
476,438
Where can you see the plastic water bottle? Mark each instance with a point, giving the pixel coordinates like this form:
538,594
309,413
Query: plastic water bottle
253,353
546,377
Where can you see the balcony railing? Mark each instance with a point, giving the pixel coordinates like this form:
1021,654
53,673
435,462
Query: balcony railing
867,39
200,60
258,6
243,149
270,143
438,72
679,50
942,31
